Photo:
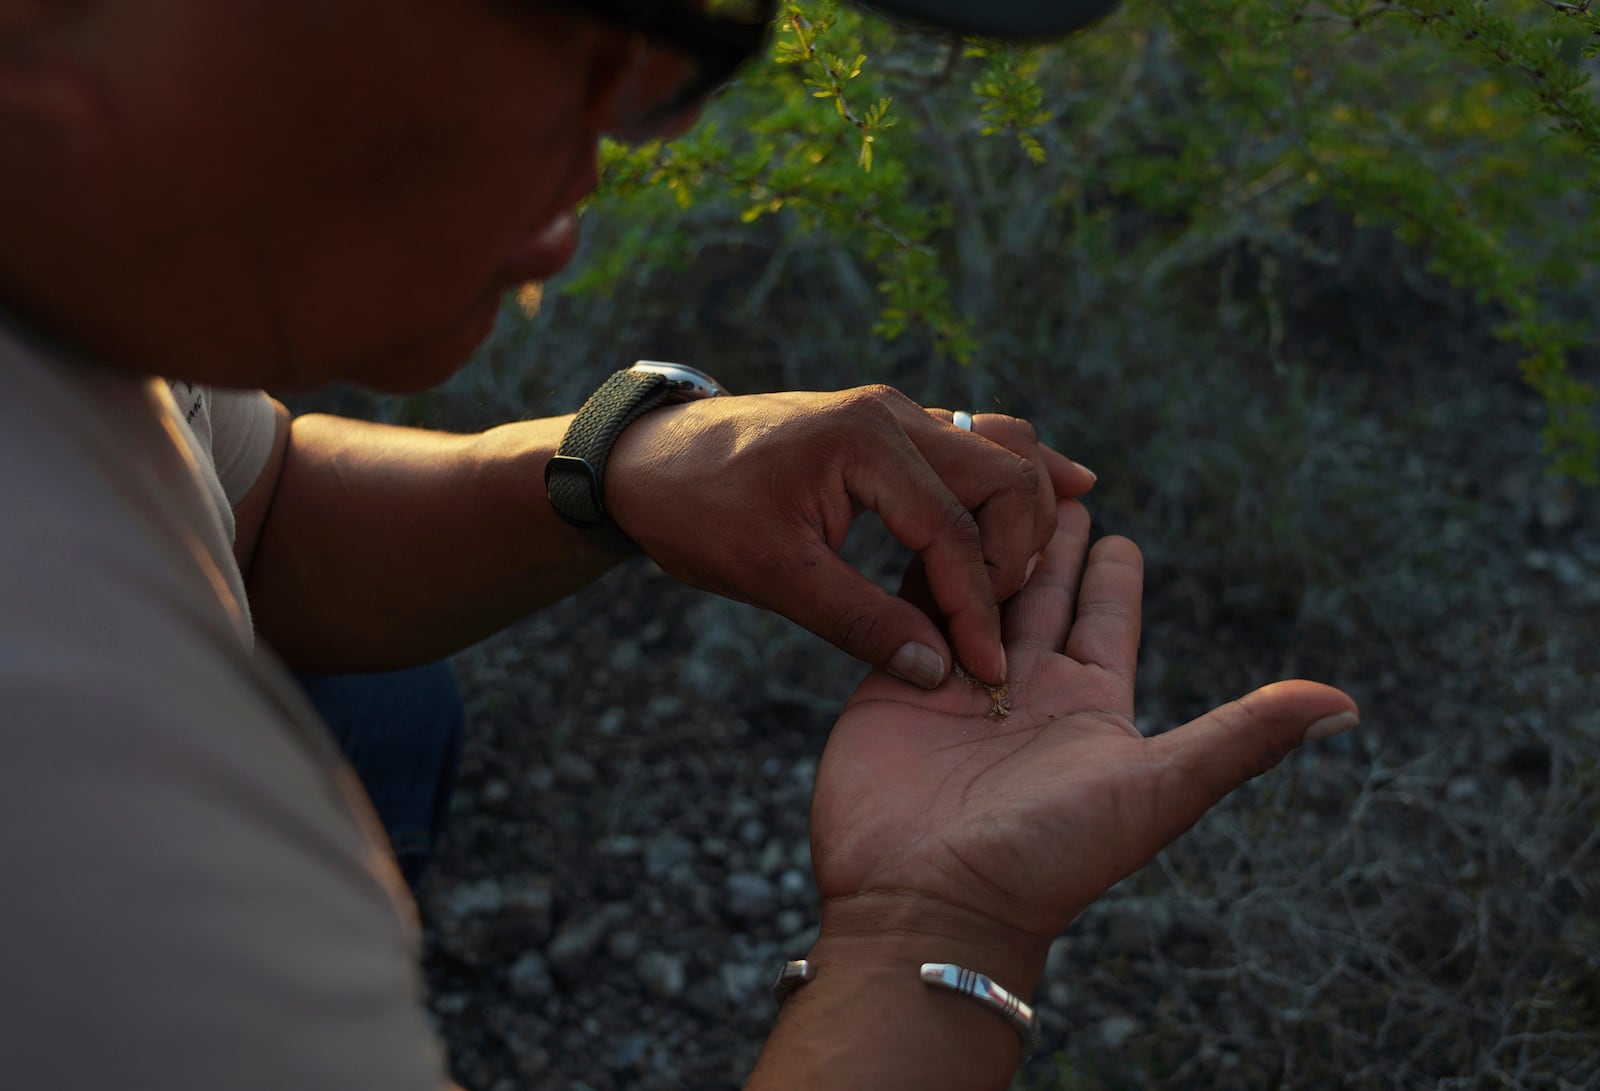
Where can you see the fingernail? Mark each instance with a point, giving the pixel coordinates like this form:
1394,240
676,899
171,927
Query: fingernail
918,664
1033,562
1092,475
1005,670
1329,726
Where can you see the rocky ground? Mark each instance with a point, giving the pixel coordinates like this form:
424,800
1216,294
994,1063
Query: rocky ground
628,860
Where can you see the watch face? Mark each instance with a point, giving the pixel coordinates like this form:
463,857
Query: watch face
688,384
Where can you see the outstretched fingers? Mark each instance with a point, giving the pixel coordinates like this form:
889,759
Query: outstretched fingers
1106,624
1105,628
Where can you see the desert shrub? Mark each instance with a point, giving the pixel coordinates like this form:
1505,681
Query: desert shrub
976,200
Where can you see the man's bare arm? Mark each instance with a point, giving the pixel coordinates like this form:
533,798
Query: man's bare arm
373,547
382,547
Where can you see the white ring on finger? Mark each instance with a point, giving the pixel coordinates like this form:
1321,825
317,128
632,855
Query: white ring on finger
962,420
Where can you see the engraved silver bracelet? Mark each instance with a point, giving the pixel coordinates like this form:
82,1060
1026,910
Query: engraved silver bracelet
941,975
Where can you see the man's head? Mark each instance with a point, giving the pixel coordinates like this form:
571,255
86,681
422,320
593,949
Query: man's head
283,192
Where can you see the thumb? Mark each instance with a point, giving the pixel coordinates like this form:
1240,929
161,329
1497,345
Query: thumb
851,612
1227,746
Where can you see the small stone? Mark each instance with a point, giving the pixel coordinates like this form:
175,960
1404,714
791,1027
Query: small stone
532,1063
624,946
666,853
450,1003
574,769
1570,572
612,721
662,973
524,1038
744,983
630,1053
795,887
666,706
750,896
529,975
1113,1032
480,921
623,847
773,858
528,898
707,1002
500,1019
570,950
625,655
474,898
575,944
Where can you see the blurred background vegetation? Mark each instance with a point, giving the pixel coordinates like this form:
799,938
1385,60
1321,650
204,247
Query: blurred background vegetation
1311,286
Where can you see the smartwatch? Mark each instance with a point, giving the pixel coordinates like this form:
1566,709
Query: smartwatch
575,478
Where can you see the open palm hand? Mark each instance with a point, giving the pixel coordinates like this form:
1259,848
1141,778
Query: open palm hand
1014,822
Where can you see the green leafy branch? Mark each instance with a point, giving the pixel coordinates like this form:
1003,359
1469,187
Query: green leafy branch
830,73
1010,97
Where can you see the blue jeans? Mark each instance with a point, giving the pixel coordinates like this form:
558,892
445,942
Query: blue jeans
402,733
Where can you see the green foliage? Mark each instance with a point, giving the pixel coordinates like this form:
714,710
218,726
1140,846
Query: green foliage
1437,133
776,155
1010,97
1170,147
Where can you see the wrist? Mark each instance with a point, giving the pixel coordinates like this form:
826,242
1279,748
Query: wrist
577,476
868,1018
643,459
905,928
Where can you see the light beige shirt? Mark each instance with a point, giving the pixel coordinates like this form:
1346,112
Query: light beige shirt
194,894
233,431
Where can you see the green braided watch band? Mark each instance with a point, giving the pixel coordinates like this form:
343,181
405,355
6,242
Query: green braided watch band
575,478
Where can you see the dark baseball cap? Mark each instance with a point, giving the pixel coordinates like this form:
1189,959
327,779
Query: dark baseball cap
998,18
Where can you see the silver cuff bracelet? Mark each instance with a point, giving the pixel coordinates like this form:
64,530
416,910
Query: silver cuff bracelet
947,975
940,975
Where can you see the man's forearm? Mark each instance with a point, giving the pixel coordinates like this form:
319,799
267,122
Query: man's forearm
385,547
